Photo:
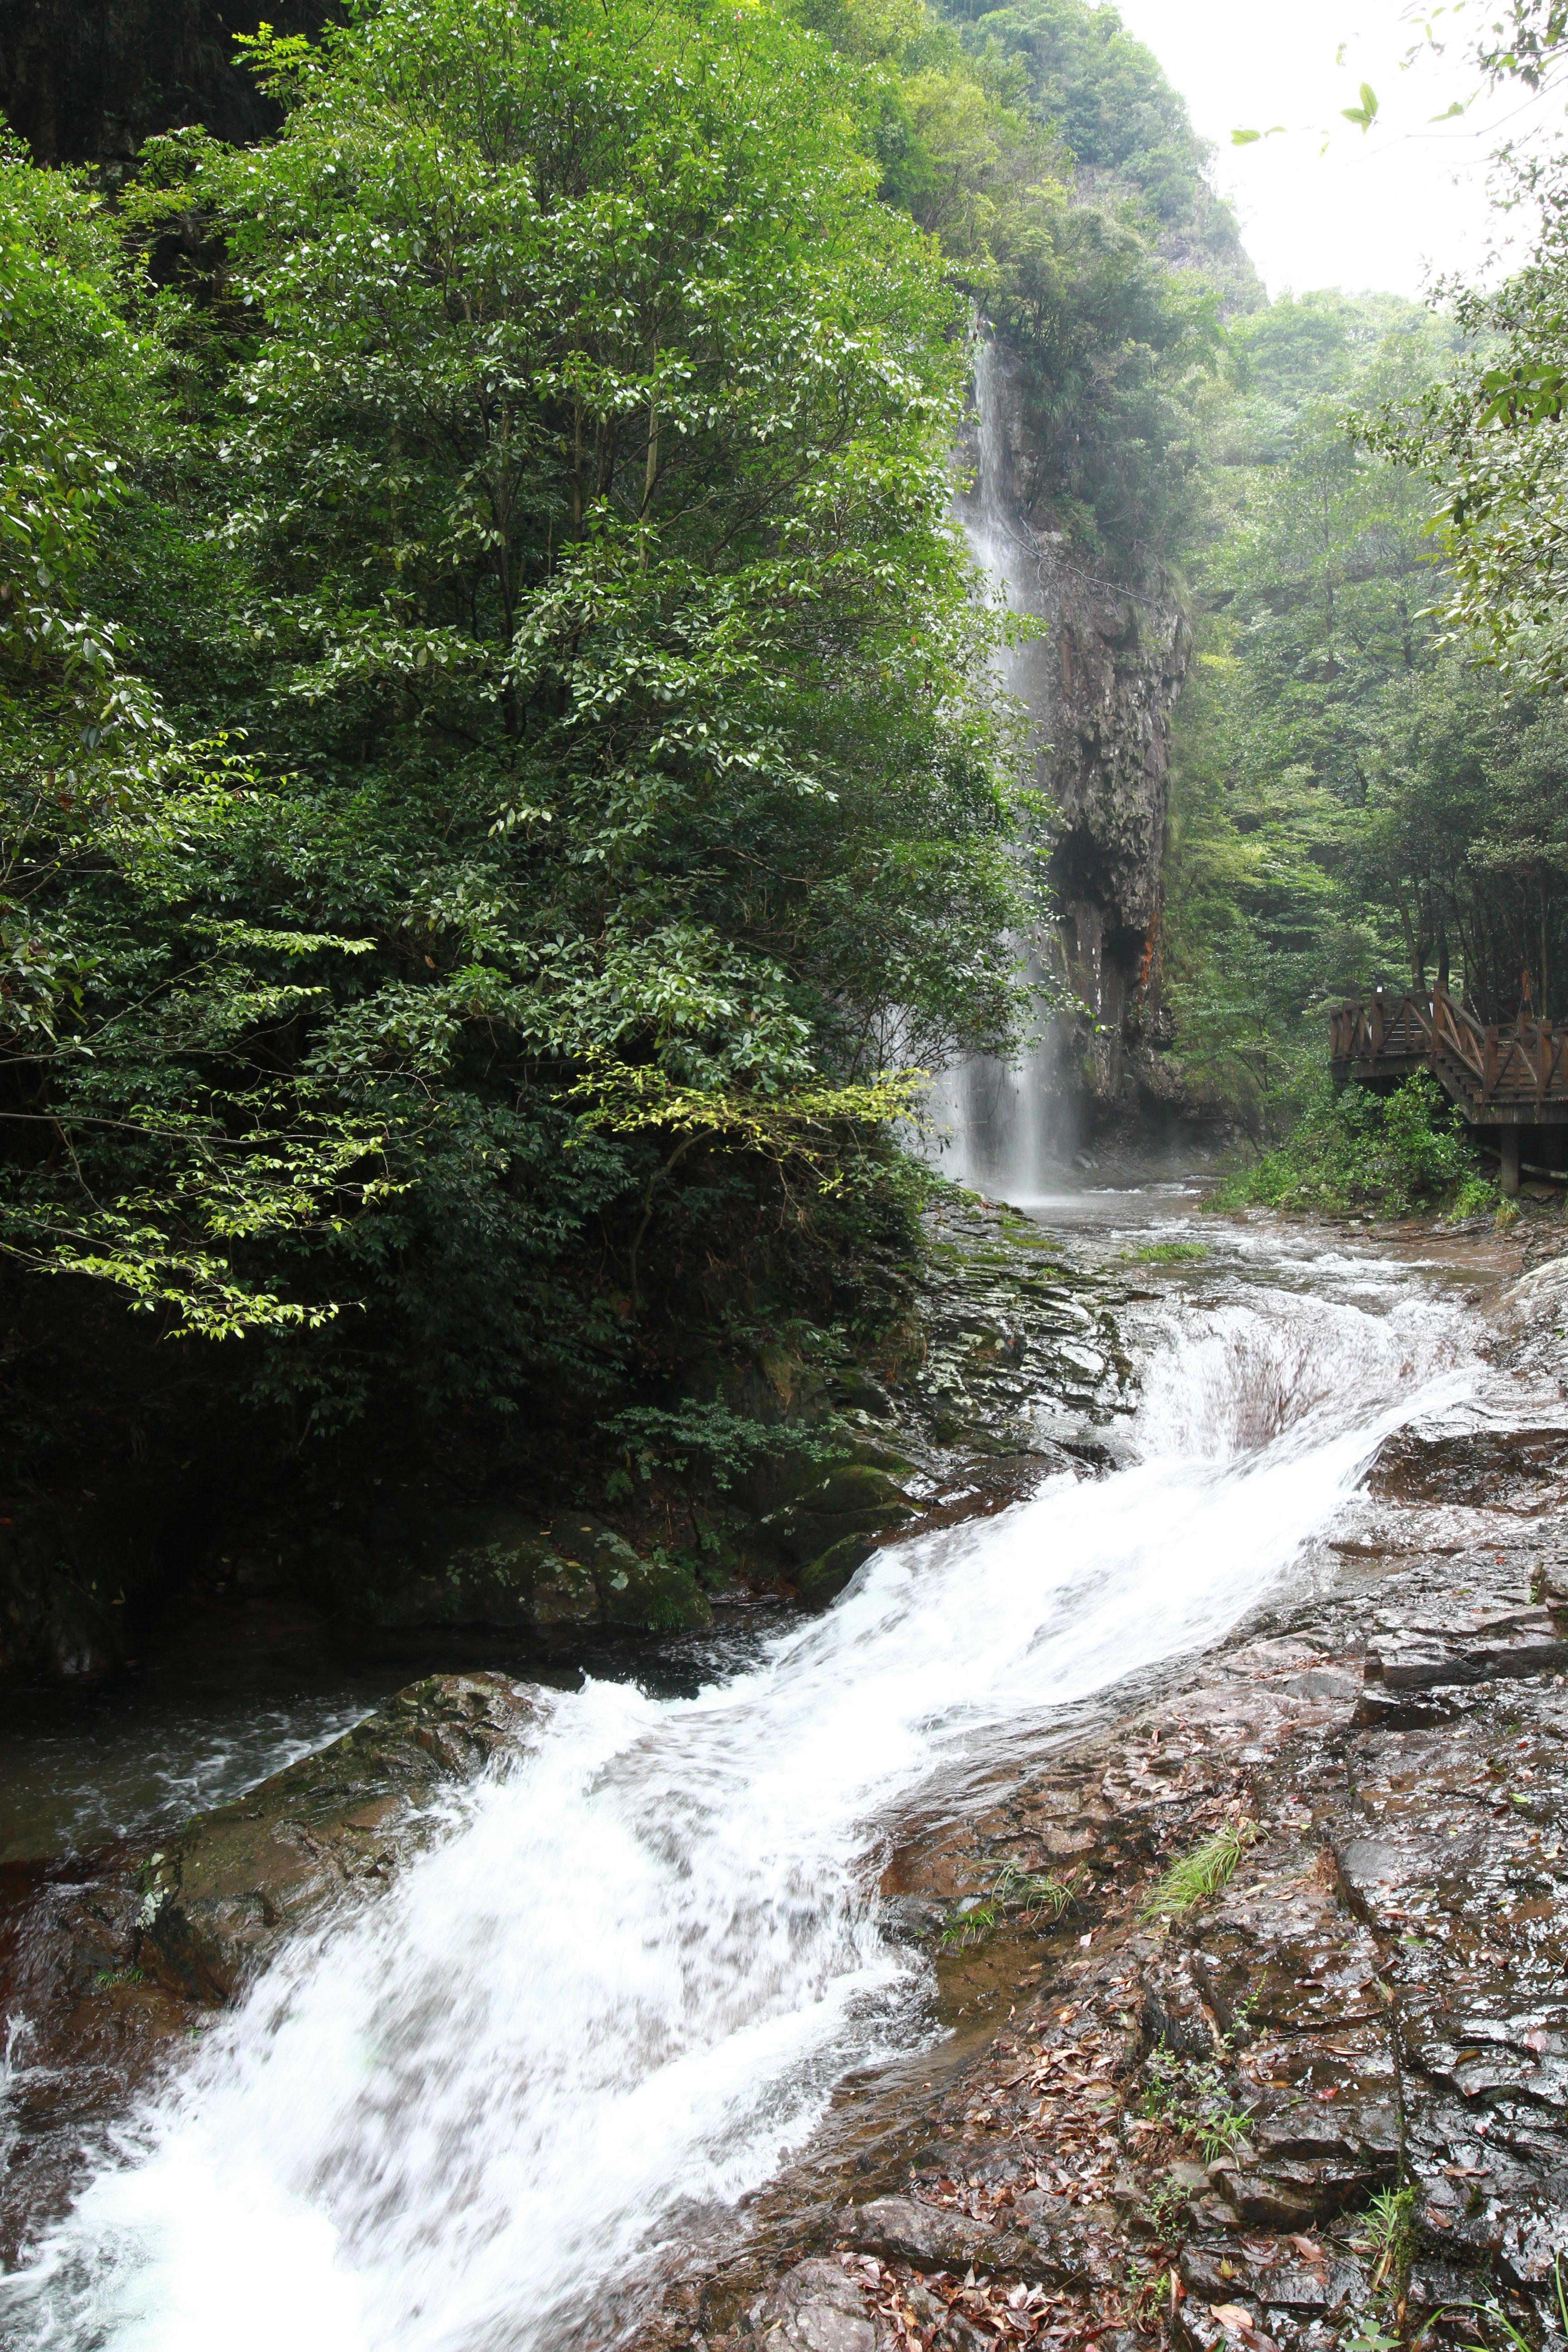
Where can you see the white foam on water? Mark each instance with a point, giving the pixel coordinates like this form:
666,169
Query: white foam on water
622,1985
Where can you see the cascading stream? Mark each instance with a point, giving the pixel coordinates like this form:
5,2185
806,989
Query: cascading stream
622,1985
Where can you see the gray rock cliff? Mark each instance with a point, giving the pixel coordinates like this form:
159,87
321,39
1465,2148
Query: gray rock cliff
1100,684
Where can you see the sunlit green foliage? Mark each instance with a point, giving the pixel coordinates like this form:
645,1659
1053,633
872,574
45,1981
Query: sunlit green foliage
146,1138
569,781
502,769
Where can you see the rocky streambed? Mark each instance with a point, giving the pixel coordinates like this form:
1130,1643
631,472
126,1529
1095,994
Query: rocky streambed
1234,2005
1325,2100
1285,1966
115,1954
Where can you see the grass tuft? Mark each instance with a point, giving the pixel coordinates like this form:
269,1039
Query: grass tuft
1193,2099
1204,1872
1222,2133
1013,1891
1391,2226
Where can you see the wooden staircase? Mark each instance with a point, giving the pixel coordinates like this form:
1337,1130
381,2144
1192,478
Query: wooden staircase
1507,1075
1499,1074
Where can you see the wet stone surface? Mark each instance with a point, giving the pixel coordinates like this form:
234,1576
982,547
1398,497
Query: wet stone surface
111,1961
115,1963
1325,2099
216,1901
1021,1352
1329,2100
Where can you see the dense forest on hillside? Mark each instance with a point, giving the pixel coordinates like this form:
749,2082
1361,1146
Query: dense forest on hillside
1373,772
1360,800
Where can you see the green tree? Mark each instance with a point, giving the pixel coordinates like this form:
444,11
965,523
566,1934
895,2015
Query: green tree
545,529
1356,800
1313,654
1492,435
126,1008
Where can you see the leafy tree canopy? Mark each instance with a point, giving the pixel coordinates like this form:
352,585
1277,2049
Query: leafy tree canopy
1045,151
554,687
1354,802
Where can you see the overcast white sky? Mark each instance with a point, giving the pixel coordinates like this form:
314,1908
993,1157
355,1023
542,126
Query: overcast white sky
1377,211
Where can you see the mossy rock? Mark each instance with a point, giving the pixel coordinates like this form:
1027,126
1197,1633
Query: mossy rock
855,1498
860,1485
824,1579
858,1391
217,1898
656,1597
487,1565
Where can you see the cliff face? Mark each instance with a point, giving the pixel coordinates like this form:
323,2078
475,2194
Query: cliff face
85,81
1100,684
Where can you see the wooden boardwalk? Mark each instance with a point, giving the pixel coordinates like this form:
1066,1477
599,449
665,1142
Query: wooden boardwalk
1509,1074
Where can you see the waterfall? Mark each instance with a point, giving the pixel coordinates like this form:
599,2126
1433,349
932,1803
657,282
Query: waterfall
1000,1125
477,2113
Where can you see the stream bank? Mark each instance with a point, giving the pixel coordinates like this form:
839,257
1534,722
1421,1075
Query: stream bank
766,1472
165,1830
1329,2099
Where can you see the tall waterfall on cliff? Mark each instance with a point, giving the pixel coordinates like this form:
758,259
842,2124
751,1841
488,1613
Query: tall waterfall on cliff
1000,1125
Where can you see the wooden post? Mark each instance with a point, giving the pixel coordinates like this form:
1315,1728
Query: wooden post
1507,1138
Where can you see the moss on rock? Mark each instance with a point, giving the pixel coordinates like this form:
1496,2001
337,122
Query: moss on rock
217,1898
824,1579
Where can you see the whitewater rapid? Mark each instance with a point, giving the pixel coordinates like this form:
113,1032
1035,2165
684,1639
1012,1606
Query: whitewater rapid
622,1985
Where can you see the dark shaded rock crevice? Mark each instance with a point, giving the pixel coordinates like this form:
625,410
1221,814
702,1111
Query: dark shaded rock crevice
86,81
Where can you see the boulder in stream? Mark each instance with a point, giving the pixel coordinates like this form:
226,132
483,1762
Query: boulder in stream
220,1896
405,1555
827,1532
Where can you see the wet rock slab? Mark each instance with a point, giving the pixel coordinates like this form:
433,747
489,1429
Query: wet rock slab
816,2306
106,1970
1330,2099
1475,1645
218,1899
1519,1470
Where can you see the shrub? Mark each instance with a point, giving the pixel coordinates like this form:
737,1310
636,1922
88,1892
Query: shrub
1389,1153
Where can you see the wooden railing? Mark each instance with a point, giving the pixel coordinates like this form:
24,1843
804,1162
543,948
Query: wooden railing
1513,1066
